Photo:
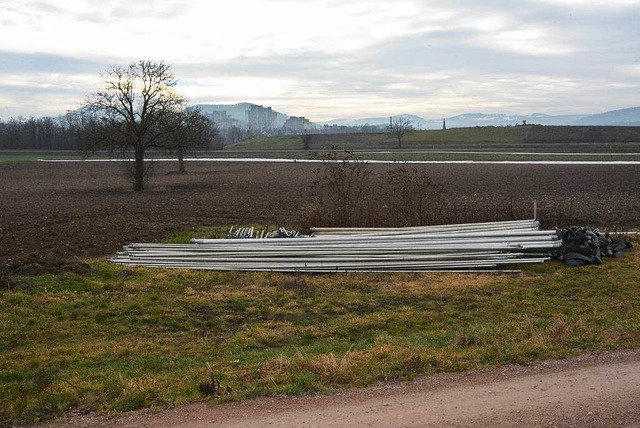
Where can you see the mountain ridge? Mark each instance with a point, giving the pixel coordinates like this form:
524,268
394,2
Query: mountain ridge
620,117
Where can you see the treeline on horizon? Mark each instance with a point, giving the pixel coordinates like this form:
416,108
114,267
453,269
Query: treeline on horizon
43,133
66,132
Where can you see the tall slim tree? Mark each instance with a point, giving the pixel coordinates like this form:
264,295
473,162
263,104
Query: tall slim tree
133,111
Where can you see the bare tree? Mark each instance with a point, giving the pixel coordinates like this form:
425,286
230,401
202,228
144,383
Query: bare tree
306,140
194,130
399,128
135,111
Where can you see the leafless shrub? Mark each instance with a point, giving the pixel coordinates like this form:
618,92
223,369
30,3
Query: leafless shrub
412,196
347,193
342,190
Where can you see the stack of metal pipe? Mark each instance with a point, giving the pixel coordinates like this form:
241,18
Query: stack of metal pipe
461,247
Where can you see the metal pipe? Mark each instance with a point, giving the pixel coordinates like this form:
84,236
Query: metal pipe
448,247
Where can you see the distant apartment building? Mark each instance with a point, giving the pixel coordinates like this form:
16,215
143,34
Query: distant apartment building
261,119
223,121
297,124
338,129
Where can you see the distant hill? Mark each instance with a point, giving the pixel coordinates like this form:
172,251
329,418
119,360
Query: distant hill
501,119
418,122
467,120
622,117
238,111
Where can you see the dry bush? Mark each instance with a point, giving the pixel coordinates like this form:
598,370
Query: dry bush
347,193
412,197
341,191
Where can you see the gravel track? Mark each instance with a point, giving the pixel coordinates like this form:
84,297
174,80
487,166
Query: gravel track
600,389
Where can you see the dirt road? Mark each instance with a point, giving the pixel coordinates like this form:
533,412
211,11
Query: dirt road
595,390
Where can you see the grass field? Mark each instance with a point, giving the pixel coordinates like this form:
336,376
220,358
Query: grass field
433,155
415,139
447,154
457,144
116,339
27,156
478,138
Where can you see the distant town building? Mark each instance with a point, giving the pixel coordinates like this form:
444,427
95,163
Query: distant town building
297,124
223,121
261,119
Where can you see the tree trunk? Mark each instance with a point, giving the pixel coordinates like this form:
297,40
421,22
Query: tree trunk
138,184
181,168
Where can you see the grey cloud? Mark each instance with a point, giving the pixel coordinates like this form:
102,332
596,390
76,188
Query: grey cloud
44,7
577,26
162,10
11,62
286,65
22,93
109,10
451,66
437,68
419,54
38,101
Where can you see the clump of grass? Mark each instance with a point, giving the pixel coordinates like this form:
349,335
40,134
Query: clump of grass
212,232
185,237
333,369
111,342
211,387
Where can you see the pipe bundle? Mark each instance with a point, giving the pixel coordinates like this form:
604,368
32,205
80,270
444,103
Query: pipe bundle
474,246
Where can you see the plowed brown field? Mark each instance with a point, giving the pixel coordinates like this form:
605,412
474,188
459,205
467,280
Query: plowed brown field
55,213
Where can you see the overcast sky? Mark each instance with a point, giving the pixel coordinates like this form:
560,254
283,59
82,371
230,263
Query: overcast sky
328,59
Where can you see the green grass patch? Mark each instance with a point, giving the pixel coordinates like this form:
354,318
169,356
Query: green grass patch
27,156
416,139
117,339
477,135
487,139
274,143
215,232
186,236
449,153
